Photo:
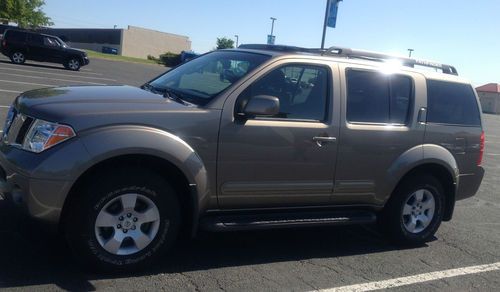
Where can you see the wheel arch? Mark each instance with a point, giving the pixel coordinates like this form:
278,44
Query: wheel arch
430,159
185,191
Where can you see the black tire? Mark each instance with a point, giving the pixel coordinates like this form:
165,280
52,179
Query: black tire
73,64
392,220
18,57
80,226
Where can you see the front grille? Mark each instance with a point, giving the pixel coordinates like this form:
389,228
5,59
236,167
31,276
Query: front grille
18,129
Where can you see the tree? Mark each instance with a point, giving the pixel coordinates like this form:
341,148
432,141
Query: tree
224,43
26,13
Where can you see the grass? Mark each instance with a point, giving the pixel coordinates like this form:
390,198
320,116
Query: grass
97,55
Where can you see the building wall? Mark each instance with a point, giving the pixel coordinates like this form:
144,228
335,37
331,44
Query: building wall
490,102
139,42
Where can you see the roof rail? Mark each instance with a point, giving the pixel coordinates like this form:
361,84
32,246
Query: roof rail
374,56
278,48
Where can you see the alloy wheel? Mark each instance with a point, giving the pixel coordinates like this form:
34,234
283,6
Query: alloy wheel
418,211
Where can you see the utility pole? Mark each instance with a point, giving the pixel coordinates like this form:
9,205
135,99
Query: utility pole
237,39
409,52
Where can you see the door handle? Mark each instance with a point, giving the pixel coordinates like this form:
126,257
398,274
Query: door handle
321,139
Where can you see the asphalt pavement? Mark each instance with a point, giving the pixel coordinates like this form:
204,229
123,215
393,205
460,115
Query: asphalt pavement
33,258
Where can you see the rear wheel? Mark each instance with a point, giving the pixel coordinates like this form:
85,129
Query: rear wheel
125,223
72,64
18,57
415,211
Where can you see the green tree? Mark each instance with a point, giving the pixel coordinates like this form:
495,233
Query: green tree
26,13
224,43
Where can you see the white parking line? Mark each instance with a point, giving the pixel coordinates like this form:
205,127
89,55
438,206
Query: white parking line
29,83
55,79
11,91
48,68
56,74
416,279
493,154
4,106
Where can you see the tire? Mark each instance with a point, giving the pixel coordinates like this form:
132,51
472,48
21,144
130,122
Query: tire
72,64
415,211
18,57
144,234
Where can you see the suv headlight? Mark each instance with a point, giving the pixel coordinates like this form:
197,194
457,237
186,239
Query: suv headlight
43,135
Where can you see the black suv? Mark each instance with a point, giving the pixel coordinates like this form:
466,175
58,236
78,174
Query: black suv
21,45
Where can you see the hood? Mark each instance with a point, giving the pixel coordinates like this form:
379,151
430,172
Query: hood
75,51
92,106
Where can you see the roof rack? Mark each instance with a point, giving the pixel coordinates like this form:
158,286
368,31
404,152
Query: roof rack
354,54
374,56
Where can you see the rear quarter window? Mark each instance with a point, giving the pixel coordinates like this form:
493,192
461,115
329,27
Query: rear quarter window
16,36
452,103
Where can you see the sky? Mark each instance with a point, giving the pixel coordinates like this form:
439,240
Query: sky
462,33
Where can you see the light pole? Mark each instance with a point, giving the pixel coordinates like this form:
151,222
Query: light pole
409,52
272,25
237,39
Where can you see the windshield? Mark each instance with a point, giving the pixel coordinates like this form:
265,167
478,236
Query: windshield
201,79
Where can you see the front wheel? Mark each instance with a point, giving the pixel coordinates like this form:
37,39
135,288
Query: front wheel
72,64
415,211
125,224
18,58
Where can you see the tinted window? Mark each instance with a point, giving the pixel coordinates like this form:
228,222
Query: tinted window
451,103
16,36
50,42
374,97
301,89
35,39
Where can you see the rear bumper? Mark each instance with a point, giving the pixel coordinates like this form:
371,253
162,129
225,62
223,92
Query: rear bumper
468,184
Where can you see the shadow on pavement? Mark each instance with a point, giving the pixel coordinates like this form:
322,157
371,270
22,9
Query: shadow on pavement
35,65
30,255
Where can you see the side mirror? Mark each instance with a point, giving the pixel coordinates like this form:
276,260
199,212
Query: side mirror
262,105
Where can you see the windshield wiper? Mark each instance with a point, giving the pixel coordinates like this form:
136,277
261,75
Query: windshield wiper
171,94
151,88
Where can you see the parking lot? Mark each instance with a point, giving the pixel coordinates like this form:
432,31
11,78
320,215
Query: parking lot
33,258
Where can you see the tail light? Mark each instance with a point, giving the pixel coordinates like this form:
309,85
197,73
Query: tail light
4,43
481,149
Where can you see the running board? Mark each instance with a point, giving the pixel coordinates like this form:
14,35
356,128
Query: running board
218,223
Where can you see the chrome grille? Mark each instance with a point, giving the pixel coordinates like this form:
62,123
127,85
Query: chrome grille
17,129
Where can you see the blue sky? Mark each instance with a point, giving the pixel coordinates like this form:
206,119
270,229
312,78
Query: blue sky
462,33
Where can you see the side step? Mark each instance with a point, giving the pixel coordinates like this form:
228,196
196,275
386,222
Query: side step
218,223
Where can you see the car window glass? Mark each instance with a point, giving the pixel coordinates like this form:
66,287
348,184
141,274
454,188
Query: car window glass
301,89
15,36
451,103
36,39
50,42
374,97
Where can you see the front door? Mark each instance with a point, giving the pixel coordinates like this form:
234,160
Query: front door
282,160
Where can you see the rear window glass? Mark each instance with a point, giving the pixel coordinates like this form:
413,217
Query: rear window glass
451,103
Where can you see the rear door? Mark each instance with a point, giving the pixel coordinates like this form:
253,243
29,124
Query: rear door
379,123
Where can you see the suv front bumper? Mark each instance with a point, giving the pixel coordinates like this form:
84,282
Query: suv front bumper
40,182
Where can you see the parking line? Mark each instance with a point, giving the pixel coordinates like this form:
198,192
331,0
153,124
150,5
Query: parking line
11,91
56,74
55,79
29,83
3,106
416,279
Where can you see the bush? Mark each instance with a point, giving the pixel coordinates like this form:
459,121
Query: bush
170,59
153,58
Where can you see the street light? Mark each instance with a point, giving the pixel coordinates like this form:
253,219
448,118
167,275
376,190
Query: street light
272,25
409,52
237,38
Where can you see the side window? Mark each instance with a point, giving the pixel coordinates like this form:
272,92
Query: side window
373,97
15,36
50,42
451,103
35,39
301,89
